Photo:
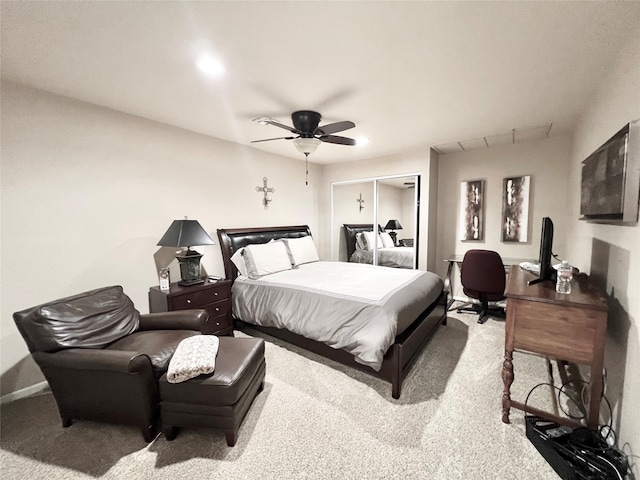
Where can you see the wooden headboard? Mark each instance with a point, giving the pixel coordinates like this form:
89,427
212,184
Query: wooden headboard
232,239
350,232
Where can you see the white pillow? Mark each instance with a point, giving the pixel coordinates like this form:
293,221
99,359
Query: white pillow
238,261
365,240
387,241
266,258
302,250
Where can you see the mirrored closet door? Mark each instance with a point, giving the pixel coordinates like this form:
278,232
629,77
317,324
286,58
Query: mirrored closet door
391,203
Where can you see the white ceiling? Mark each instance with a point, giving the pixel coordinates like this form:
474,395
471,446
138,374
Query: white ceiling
410,75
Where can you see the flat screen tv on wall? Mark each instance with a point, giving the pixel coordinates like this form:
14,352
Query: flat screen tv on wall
611,179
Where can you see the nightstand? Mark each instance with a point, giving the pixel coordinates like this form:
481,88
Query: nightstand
214,297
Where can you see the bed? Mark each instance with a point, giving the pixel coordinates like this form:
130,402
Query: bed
415,325
397,257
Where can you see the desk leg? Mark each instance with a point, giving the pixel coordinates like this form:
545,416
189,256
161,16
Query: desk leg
595,394
507,378
447,284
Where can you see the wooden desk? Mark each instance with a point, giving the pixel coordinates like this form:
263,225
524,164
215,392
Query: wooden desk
457,260
569,327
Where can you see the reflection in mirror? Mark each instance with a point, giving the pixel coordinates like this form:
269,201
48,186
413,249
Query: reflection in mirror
397,201
353,203
391,203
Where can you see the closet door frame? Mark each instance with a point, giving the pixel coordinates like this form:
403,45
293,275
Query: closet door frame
336,230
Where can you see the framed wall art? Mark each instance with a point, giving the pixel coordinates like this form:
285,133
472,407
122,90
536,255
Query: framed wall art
472,210
610,189
515,209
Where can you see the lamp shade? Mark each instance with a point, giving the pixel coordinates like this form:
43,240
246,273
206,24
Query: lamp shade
185,233
306,145
393,225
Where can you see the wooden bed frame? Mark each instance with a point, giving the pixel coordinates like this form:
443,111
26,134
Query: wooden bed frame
350,232
401,355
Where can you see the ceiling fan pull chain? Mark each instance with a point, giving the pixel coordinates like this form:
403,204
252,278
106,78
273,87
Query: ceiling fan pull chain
306,166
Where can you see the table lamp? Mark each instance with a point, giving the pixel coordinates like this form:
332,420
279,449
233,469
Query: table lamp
187,233
393,225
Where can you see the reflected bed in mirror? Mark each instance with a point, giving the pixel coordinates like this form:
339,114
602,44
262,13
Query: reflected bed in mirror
361,245
376,201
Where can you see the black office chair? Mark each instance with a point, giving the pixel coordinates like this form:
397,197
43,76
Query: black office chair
483,277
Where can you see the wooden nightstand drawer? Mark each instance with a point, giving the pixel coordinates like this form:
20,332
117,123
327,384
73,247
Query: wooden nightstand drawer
214,297
218,309
190,300
198,299
219,325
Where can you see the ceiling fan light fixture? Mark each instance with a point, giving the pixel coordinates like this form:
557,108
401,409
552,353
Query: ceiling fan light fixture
306,145
211,67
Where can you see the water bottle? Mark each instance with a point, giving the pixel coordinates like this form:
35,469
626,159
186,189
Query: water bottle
565,274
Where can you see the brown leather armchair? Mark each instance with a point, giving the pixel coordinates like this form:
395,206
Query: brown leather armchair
102,358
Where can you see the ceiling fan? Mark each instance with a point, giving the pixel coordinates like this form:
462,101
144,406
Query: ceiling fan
309,133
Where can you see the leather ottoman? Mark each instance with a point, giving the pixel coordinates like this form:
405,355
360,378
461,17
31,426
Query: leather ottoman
220,399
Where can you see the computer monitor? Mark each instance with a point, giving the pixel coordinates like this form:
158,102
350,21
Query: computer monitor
547,271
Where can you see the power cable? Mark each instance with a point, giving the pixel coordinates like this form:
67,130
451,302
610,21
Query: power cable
586,442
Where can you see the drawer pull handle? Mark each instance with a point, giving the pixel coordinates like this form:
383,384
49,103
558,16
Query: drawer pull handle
188,301
218,324
217,309
215,294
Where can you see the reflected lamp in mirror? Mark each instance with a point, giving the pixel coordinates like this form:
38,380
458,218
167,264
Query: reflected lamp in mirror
393,225
187,233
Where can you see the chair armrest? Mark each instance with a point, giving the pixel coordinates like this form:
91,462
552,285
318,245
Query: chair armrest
176,320
94,359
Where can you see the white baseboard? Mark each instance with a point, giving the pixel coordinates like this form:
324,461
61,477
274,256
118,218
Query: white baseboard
23,393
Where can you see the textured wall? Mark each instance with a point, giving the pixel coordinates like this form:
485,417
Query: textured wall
87,193
611,253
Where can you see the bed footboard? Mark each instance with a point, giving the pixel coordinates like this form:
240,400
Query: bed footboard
399,358
409,345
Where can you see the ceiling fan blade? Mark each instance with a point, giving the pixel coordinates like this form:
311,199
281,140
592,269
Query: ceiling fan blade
269,139
334,127
271,121
337,139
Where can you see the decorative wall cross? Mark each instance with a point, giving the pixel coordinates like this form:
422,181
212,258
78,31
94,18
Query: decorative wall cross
360,200
264,189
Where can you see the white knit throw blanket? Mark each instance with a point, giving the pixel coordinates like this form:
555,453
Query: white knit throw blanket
194,356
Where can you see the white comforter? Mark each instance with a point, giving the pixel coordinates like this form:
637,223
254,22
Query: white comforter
356,307
400,257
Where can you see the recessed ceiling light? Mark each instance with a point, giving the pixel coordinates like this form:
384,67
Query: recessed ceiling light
360,141
211,67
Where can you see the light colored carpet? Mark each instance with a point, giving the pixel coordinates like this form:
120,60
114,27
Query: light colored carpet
315,419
